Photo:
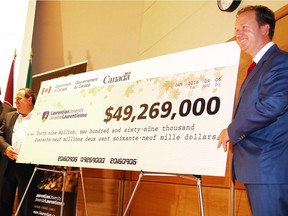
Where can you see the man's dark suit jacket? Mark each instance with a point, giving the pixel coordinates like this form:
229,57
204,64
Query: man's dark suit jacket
259,131
4,108
6,132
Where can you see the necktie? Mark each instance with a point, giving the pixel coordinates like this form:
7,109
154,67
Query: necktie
252,65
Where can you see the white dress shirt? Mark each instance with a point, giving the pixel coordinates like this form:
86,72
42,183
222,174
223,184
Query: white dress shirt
19,131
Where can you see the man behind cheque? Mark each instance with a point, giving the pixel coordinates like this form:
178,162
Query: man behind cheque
16,175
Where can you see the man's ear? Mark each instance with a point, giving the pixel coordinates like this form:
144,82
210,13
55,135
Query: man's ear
30,100
265,29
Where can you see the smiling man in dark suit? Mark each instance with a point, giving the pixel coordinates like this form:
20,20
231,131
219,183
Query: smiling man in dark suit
259,130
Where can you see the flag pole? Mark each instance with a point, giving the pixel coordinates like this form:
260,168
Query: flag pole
8,99
31,53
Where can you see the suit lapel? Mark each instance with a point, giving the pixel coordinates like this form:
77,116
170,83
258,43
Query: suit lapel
12,123
256,69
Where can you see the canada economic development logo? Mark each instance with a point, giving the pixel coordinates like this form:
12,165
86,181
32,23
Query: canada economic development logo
63,114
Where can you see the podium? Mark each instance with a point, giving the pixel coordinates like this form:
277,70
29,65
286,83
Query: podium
64,173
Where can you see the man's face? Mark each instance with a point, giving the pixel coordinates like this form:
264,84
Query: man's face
249,35
24,105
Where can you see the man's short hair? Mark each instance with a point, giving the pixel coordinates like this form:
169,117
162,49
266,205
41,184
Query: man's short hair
264,15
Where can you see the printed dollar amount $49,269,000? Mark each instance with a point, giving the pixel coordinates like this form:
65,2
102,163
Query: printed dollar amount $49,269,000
164,110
